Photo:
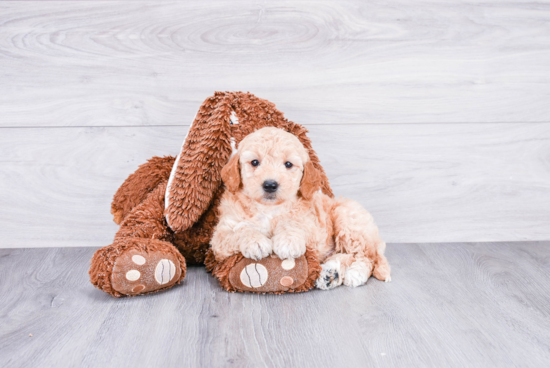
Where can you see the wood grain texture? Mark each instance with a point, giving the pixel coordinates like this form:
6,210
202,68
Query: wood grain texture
89,63
451,305
422,183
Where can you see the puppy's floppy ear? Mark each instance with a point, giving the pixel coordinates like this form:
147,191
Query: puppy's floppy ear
300,132
231,174
311,181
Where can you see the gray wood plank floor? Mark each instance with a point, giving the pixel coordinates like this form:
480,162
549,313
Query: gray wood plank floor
451,305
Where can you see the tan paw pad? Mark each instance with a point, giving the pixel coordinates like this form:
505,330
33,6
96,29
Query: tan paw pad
133,275
270,274
165,271
286,281
139,260
254,275
138,288
288,264
138,272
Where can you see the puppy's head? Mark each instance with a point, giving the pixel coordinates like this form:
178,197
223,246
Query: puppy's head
271,166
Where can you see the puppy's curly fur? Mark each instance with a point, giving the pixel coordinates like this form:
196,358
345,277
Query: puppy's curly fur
273,205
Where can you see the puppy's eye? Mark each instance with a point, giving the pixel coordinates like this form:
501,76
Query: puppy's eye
255,163
288,165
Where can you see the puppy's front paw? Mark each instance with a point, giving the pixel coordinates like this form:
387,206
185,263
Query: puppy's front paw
330,277
288,246
256,247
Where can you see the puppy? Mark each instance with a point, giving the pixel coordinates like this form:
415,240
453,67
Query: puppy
272,205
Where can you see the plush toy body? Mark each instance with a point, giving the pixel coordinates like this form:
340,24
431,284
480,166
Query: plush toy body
167,209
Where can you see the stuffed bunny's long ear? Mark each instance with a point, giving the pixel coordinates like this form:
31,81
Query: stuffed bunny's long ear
196,175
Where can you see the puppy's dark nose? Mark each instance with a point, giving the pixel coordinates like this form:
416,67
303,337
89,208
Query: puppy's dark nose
270,186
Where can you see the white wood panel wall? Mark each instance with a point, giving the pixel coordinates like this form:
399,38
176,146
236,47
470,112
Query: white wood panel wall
434,115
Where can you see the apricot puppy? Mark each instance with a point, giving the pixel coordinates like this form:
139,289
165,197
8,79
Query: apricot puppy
273,205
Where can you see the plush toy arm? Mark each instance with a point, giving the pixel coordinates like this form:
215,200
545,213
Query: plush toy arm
138,185
142,258
147,219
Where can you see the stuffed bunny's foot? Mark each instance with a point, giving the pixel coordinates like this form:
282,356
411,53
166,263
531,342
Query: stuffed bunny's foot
137,272
137,266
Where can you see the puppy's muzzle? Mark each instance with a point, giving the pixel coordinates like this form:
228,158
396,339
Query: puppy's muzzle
270,186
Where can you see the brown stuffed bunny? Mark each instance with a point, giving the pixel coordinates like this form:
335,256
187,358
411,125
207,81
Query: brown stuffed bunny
167,208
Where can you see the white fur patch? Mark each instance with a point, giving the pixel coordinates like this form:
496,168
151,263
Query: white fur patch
357,274
330,276
234,119
233,146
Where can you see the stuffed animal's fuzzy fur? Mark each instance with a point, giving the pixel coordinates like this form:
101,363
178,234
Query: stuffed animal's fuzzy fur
168,208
